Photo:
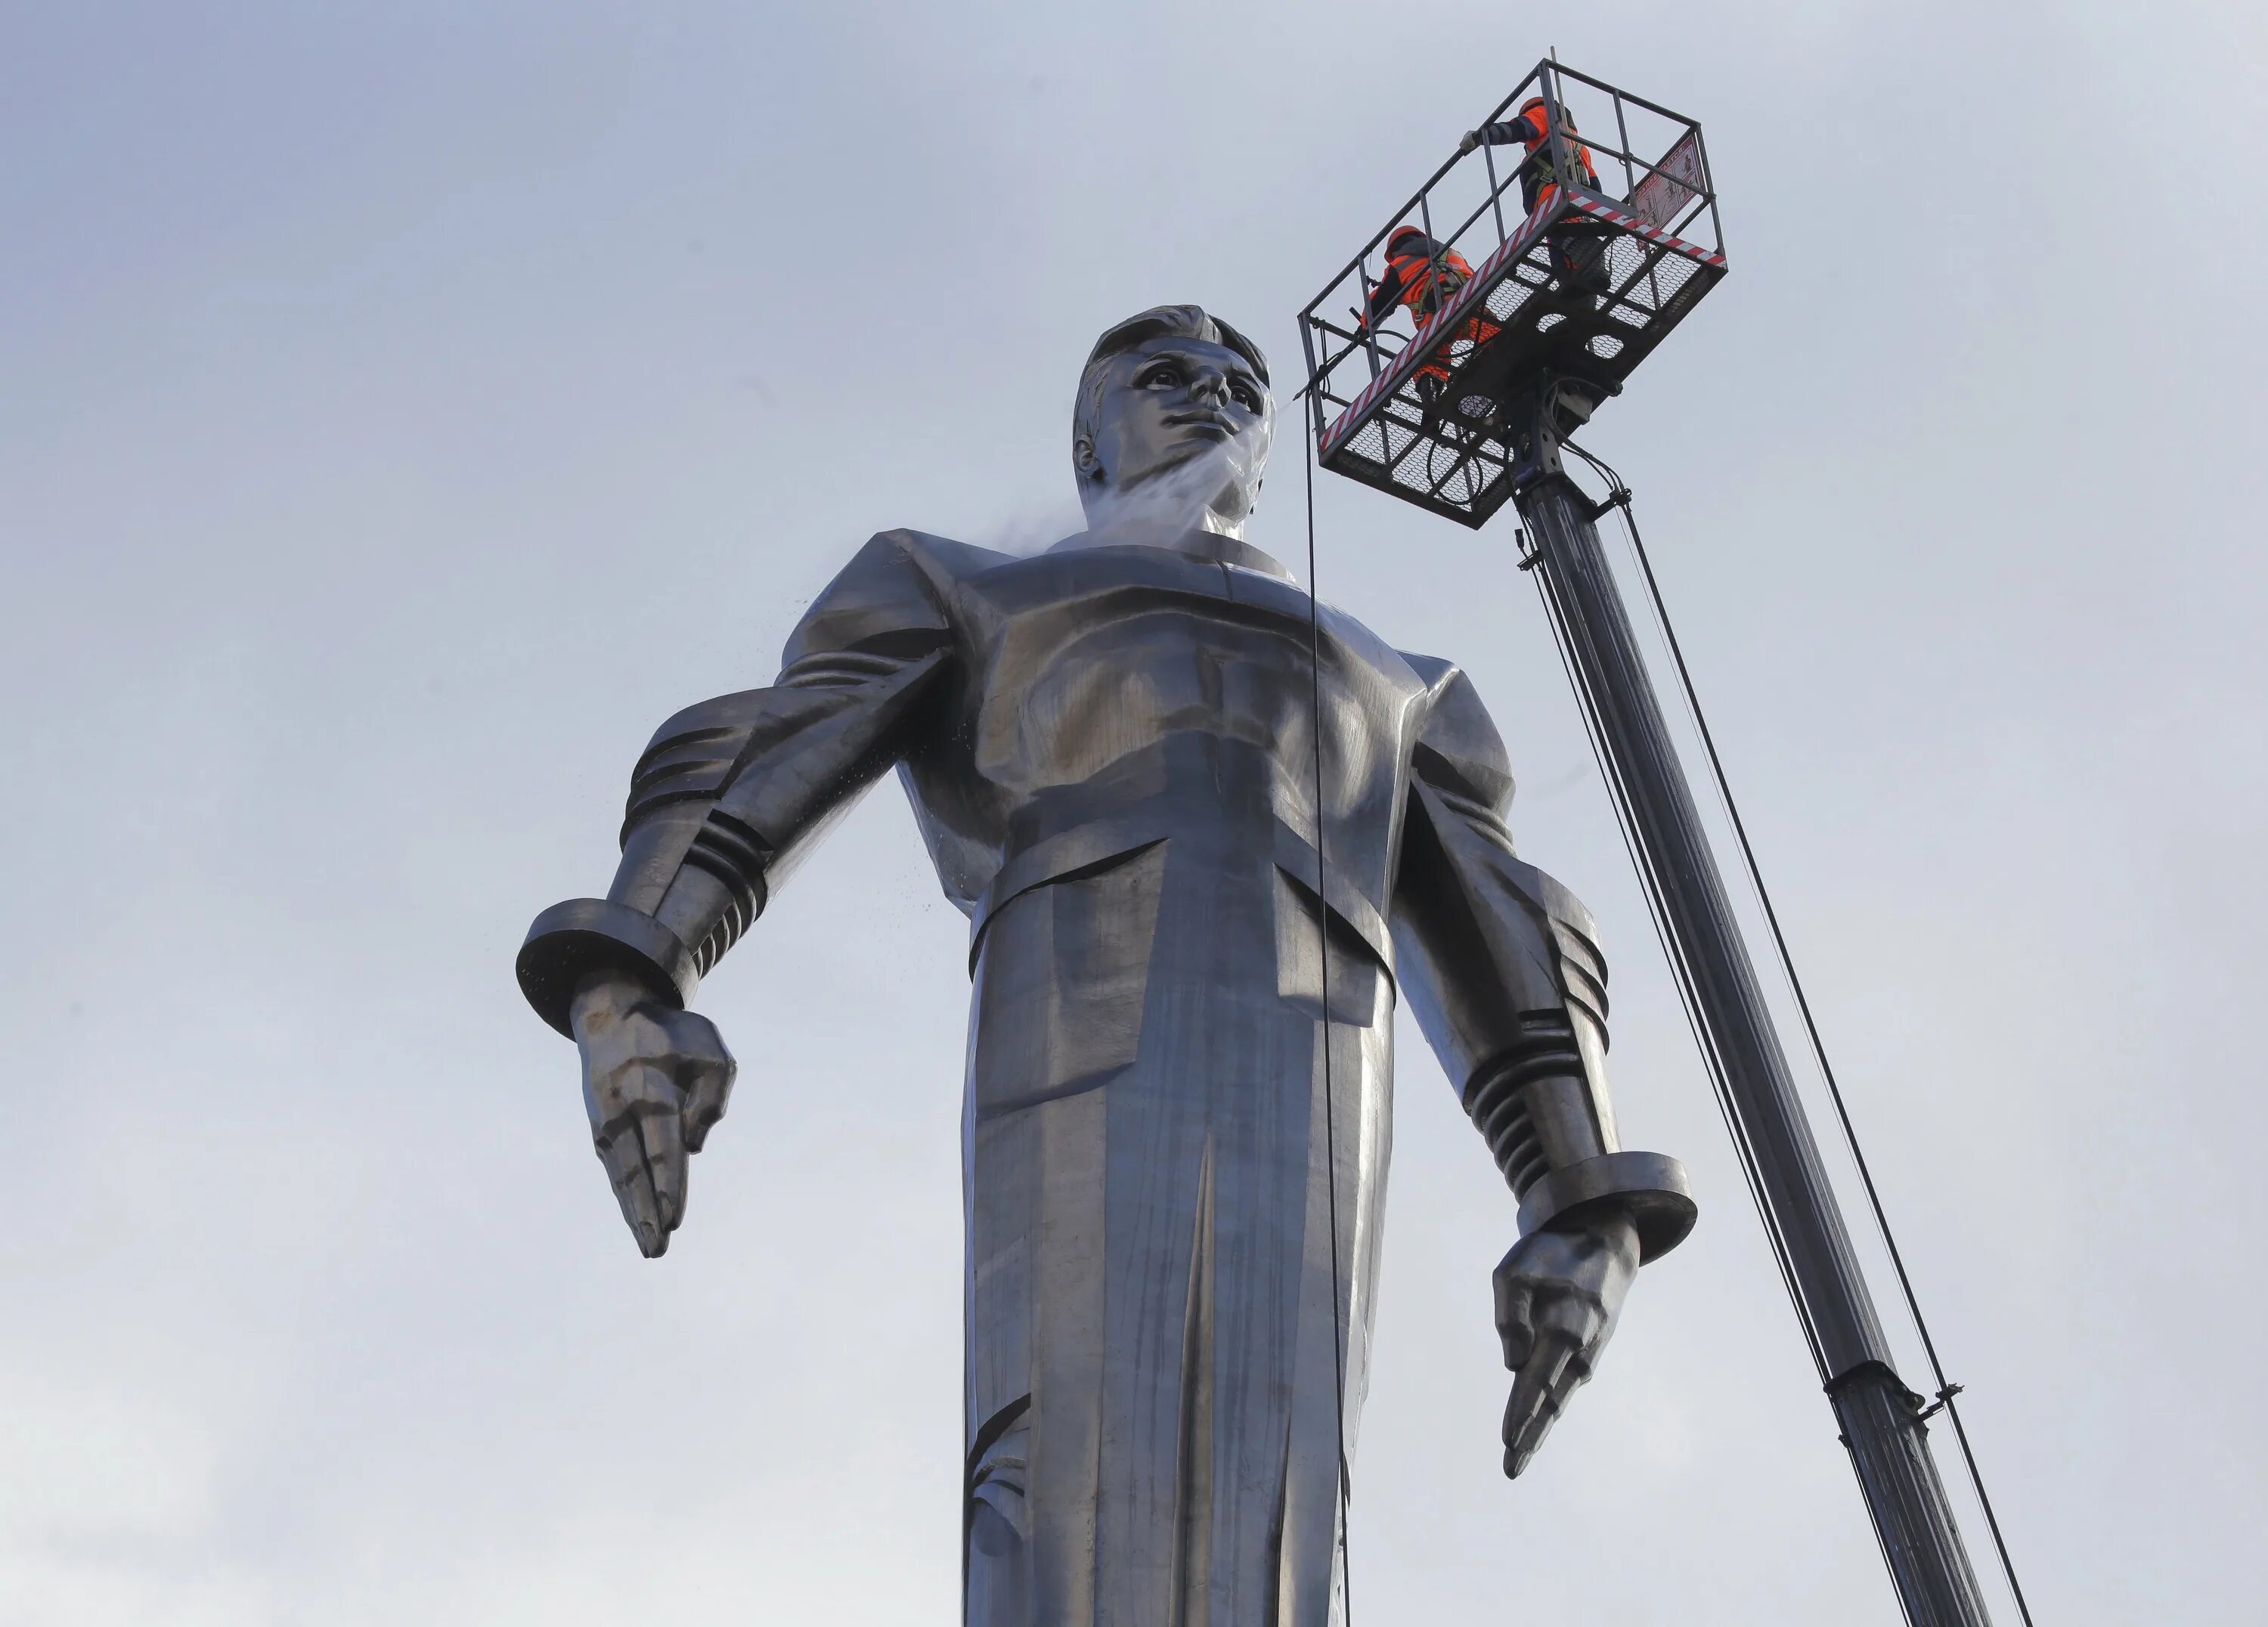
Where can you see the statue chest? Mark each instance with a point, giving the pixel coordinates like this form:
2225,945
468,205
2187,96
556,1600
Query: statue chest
1079,660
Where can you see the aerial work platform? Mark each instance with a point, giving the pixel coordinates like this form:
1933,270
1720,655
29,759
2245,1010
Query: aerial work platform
1567,297
1447,364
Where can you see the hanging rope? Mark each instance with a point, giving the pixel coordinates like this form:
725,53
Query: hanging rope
1330,1104
1619,497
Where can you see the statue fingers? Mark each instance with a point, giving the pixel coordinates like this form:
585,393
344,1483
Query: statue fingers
1538,1393
618,1090
704,1105
623,1153
1525,1269
707,1082
1577,1316
1515,1317
661,1140
1523,1450
692,1036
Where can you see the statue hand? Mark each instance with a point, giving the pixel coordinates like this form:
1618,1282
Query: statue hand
654,1080
1558,1294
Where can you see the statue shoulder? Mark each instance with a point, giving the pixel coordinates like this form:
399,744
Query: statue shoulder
1459,748
1431,670
941,557
897,594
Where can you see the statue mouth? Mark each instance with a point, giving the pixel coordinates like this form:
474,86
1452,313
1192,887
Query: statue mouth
1211,425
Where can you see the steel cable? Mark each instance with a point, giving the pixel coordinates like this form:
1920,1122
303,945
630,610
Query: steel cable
1330,1105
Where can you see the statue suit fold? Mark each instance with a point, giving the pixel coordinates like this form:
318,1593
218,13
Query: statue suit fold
1111,751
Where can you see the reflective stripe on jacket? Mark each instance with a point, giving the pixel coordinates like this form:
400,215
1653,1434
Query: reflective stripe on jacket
1413,278
1538,184
1425,277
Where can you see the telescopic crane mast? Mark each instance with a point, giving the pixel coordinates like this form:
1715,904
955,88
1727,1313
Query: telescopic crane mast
1532,317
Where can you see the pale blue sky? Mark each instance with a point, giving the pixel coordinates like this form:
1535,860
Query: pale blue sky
383,389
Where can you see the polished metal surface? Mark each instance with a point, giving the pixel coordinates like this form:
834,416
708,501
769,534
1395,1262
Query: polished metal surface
1880,1418
1184,967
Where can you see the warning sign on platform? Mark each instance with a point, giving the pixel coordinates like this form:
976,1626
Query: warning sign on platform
1672,184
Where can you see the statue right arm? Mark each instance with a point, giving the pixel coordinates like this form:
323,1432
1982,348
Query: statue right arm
730,793
724,797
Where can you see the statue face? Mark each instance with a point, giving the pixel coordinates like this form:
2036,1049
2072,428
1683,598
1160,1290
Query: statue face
1179,439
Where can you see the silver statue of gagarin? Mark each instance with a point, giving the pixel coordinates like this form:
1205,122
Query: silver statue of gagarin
1176,1124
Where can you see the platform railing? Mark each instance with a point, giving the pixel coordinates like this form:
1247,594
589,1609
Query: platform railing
1479,230
1399,398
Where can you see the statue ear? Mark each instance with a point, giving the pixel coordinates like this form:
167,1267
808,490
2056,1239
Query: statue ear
1084,459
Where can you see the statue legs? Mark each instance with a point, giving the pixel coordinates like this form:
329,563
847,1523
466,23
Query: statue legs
1152,1390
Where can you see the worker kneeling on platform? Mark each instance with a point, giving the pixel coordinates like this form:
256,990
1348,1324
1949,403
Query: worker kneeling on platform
1424,276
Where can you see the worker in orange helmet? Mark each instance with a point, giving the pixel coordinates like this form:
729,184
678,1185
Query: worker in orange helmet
1538,186
1579,260
1420,274
1424,276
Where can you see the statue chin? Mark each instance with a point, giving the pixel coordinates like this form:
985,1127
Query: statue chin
1131,524
1212,489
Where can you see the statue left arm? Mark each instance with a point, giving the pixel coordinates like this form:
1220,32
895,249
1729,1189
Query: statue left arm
1502,968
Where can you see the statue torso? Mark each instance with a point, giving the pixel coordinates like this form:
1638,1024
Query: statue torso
1109,695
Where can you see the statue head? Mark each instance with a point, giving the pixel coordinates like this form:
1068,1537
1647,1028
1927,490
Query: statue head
1173,424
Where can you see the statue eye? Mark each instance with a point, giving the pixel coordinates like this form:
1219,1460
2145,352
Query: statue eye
1245,396
1161,378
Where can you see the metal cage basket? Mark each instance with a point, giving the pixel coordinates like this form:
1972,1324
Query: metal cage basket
1557,266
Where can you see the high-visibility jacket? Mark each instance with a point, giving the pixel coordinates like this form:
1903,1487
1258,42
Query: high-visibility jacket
1425,277
1538,186
1420,274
